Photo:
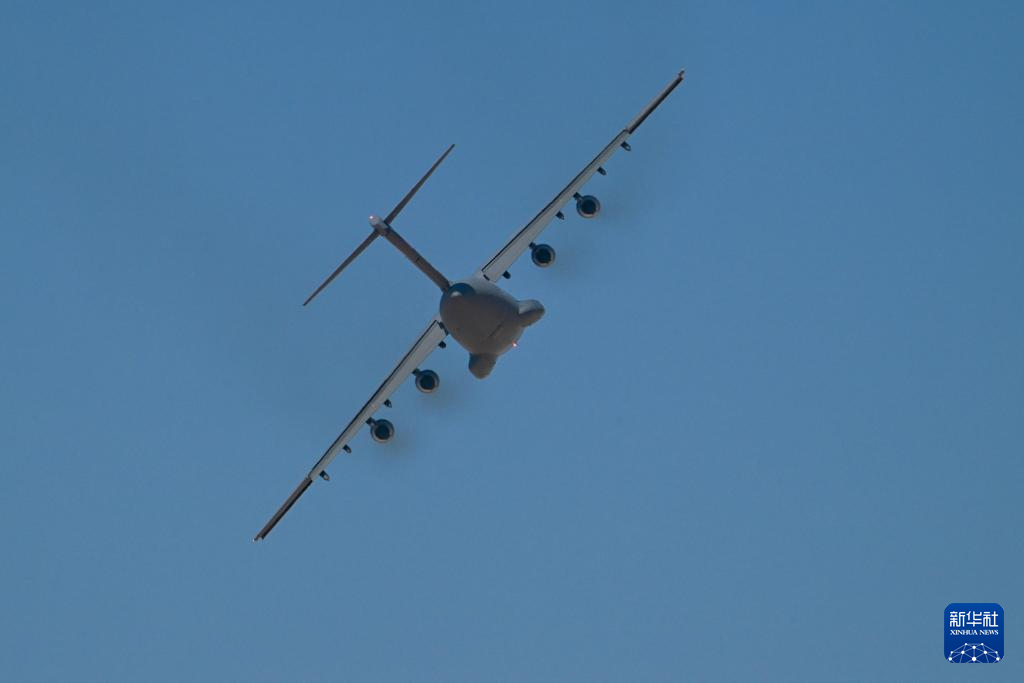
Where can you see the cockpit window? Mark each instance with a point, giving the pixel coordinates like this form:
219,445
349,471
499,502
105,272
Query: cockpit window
459,289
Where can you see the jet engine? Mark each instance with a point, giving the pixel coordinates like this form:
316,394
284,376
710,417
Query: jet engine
543,255
427,381
382,431
587,205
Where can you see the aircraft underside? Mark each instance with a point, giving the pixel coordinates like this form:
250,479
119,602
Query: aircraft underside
486,320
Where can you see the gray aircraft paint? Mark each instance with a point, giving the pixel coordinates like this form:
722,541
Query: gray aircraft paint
486,320
479,315
482,317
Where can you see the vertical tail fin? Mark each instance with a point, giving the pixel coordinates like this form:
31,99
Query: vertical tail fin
376,233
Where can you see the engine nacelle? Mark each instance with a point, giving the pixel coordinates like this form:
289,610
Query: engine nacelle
543,255
587,206
427,381
382,431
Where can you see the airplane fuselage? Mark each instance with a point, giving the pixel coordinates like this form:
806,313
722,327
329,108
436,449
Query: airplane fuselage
486,320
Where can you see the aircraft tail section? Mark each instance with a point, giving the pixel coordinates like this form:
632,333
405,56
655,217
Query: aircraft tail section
387,232
382,227
344,264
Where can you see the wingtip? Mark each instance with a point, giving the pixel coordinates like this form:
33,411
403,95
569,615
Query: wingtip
306,482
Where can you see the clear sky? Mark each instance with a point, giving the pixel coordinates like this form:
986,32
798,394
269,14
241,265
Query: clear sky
770,426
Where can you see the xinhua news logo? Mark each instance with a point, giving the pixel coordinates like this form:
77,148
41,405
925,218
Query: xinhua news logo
974,632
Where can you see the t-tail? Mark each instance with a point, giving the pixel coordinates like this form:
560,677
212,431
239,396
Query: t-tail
382,228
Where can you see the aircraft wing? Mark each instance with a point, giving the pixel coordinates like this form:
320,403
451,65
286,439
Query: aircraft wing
493,269
427,342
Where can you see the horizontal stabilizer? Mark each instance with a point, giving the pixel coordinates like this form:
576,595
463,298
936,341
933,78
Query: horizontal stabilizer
387,221
416,188
344,264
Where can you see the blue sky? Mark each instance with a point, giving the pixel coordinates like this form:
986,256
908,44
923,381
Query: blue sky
769,427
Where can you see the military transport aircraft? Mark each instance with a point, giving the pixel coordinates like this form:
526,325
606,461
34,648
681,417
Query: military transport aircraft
486,320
